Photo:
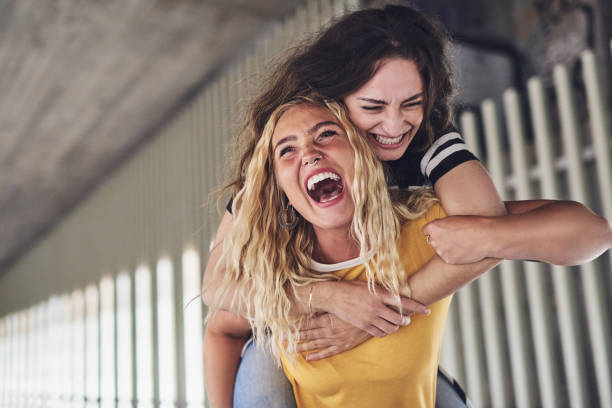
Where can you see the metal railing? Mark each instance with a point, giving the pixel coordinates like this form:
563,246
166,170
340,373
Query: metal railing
103,311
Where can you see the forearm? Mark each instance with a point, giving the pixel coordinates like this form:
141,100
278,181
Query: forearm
224,339
438,279
558,232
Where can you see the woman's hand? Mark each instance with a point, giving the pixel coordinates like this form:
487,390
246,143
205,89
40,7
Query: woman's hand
329,336
460,239
375,313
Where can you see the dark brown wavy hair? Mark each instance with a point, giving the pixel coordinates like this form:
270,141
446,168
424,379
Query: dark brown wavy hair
343,57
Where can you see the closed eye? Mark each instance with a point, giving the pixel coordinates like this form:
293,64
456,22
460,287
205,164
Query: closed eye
327,134
285,150
371,108
411,104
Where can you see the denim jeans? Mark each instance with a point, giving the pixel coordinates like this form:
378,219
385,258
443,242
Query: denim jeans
260,383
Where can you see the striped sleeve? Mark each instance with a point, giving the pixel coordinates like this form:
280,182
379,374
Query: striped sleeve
446,153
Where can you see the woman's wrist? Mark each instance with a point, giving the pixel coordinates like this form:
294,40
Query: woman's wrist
311,298
494,238
318,297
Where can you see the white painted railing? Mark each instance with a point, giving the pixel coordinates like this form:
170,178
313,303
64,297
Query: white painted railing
103,310
545,329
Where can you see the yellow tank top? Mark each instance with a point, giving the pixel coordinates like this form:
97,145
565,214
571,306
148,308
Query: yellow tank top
398,370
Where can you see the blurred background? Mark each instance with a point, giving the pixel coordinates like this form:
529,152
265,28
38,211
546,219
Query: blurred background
115,118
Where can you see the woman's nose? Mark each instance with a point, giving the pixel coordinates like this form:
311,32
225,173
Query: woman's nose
394,124
311,157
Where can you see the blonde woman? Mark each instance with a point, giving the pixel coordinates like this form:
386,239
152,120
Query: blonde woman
311,160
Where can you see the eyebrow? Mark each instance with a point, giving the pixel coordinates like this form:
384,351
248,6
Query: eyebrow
320,125
285,140
381,102
310,131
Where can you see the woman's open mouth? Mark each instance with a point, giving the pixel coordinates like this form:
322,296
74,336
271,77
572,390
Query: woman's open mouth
388,142
324,186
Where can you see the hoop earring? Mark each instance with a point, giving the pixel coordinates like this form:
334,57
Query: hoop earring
287,216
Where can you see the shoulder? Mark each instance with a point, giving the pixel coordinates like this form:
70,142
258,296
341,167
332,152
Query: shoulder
412,246
433,213
415,226
446,152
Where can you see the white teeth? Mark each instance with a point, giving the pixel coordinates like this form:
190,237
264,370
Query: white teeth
387,140
324,200
320,177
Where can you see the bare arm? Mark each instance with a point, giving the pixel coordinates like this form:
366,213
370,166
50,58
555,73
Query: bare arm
224,338
466,189
351,301
558,232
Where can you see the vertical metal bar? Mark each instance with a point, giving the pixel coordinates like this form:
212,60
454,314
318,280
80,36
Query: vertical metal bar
313,16
78,334
327,11
144,337
301,22
20,358
192,328
541,324
339,8
466,298
225,125
592,283
92,344
166,345
352,5
210,165
567,309
9,360
35,349
600,129
512,297
108,393
469,131
124,341
4,360
497,367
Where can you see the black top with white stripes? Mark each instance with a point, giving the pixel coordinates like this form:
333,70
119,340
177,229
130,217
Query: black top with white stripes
415,169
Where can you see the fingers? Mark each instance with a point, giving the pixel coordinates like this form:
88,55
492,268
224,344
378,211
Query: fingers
312,345
408,305
392,316
316,322
412,306
386,327
324,353
314,334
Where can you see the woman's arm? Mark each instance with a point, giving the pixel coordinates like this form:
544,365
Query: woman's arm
224,338
351,301
468,190
557,232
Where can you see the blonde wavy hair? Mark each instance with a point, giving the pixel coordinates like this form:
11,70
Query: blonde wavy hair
264,261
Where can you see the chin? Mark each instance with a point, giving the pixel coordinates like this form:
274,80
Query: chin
390,154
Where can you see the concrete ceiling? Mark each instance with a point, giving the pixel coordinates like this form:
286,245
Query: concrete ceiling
83,83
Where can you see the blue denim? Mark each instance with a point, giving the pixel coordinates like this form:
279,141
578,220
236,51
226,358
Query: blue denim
260,383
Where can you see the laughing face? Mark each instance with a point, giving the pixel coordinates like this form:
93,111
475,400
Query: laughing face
389,107
313,162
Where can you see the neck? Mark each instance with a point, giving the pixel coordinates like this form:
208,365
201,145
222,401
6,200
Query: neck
335,246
